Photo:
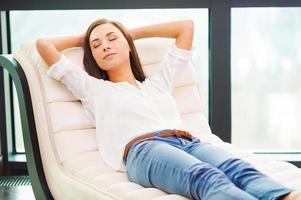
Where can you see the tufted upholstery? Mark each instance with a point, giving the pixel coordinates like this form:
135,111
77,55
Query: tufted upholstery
67,141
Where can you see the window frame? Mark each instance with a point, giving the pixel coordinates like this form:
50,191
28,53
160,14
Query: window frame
219,50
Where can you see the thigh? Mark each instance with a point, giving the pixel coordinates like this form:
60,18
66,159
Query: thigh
209,153
157,164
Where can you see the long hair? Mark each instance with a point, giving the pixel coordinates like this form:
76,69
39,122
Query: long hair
90,64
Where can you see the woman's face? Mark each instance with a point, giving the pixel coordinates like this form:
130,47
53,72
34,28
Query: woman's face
107,39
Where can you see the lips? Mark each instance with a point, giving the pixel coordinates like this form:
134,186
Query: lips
108,55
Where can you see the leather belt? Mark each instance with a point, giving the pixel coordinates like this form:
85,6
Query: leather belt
164,133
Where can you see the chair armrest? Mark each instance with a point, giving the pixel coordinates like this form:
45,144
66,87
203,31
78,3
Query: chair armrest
33,157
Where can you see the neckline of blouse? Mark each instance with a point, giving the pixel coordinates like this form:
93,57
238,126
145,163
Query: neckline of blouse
127,83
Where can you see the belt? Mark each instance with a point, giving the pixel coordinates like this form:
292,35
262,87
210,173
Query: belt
164,133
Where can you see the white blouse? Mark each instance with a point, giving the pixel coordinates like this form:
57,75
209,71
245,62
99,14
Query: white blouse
121,111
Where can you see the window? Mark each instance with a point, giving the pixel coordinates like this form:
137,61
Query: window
265,78
34,24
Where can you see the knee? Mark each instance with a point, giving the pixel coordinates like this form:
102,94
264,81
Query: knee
237,165
206,174
206,178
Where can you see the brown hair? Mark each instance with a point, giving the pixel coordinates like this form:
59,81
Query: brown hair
90,64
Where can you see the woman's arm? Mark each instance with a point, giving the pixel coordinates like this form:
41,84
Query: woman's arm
49,48
77,80
182,31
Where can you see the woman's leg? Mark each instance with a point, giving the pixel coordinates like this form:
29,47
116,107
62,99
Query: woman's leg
157,164
240,172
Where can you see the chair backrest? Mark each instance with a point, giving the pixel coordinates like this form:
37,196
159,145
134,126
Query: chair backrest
63,127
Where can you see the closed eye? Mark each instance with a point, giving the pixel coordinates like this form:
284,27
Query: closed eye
111,39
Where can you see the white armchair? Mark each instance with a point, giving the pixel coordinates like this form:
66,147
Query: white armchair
68,164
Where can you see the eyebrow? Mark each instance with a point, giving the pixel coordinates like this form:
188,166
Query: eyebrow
106,35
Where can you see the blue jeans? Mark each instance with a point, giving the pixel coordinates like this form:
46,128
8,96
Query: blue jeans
197,170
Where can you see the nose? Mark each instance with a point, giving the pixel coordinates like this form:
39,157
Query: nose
105,46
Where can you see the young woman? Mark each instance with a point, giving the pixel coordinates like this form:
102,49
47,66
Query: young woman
138,127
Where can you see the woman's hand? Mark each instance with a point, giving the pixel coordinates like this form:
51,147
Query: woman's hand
133,34
82,39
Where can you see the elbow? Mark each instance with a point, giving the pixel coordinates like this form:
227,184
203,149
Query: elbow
187,28
189,25
42,46
185,37
40,42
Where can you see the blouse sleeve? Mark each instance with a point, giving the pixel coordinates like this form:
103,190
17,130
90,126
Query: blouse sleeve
77,80
175,59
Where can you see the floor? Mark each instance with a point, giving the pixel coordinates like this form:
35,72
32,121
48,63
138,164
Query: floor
16,188
16,193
